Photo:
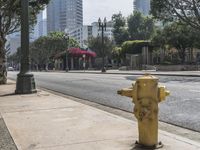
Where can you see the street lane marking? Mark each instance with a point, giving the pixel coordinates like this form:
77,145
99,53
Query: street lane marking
196,91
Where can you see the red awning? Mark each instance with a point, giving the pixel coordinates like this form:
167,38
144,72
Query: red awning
80,52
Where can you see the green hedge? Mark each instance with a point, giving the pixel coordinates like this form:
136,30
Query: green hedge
135,47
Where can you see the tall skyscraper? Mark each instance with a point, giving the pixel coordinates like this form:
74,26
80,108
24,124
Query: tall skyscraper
142,6
62,14
84,33
40,28
74,13
53,15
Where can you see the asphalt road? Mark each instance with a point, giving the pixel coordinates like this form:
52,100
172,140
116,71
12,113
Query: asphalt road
181,108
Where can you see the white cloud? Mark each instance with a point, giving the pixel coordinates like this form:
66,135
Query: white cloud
93,9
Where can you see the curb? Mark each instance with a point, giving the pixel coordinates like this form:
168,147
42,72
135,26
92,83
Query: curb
121,73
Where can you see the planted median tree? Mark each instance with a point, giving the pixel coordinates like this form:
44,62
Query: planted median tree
117,55
120,31
95,44
135,27
10,11
178,35
140,27
48,46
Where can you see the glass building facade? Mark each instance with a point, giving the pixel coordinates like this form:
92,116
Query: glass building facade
62,14
142,6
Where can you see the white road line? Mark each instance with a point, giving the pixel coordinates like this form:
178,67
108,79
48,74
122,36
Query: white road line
196,91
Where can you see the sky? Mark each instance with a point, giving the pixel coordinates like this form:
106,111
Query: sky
93,9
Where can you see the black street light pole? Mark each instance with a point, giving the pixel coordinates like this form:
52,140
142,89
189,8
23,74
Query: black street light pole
25,80
66,36
102,27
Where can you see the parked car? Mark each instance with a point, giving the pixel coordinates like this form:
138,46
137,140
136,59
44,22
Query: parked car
10,69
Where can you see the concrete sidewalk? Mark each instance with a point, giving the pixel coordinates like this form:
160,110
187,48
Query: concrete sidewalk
45,121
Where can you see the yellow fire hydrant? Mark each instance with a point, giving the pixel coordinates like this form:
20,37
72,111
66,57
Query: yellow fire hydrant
146,95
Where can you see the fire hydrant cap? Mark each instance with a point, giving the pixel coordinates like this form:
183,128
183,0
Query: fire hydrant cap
147,77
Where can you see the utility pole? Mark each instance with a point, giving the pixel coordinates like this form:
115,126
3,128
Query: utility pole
25,80
102,27
66,36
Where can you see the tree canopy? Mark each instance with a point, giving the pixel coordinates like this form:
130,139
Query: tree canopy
140,27
135,27
47,46
184,10
10,11
177,35
95,44
120,32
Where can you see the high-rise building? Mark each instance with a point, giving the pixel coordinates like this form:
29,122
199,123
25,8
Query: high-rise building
83,33
53,15
74,13
62,14
107,33
14,41
142,6
40,28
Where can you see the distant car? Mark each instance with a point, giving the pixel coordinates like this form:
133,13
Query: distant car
10,69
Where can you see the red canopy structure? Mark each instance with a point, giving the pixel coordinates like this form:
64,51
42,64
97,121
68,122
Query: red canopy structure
80,52
75,58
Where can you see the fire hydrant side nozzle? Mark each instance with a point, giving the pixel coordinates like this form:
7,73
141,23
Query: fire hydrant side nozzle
126,92
146,94
163,93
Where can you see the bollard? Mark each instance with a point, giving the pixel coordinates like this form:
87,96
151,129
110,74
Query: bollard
146,95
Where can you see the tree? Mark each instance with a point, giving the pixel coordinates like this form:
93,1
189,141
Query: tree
10,17
159,38
10,22
95,44
14,58
140,27
117,54
184,10
120,32
177,35
47,46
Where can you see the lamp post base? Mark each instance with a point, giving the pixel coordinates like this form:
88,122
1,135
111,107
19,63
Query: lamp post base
67,69
25,84
103,69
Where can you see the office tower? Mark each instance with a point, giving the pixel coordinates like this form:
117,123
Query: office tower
40,28
62,14
74,14
53,15
84,33
81,34
142,6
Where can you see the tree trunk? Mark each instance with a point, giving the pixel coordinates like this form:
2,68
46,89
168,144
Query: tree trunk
47,66
37,68
3,72
182,55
